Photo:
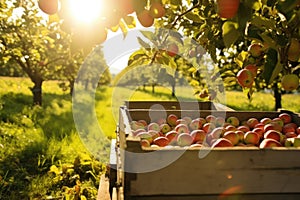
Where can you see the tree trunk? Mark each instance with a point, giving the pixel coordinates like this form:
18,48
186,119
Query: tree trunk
37,91
173,90
277,96
153,88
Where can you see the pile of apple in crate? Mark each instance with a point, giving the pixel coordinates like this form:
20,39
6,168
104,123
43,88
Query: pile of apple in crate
217,131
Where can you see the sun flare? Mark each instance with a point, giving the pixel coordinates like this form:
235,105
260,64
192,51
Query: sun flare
85,11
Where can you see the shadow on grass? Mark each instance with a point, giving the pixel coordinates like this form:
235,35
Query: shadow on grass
164,95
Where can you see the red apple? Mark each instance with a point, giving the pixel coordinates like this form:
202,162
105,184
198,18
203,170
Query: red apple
187,119
184,139
181,128
265,120
278,121
259,131
290,82
210,118
269,143
153,126
220,121
286,129
145,143
172,136
181,121
273,134
217,132
253,69
245,78
243,128
135,132
145,18
259,125
230,128
171,119
256,50
233,121
222,142
154,133
157,10
208,127
285,117
240,134
161,141
291,134
195,124
251,137
232,136
198,136
134,125
143,122
227,8
272,126
252,122
49,7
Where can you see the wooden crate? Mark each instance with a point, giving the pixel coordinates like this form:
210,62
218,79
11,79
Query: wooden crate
244,173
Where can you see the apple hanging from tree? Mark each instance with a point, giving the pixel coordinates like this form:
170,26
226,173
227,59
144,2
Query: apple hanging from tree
157,10
49,7
145,18
227,8
290,82
294,50
245,78
172,49
256,49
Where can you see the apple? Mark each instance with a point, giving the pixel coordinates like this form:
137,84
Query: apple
230,128
196,145
269,143
198,136
288,142
296,142
259,125
172,49
240,134
192,53
273,134
252,122
195,124
172,136
187,119
251,137
126,7
259,131
217,132
154,133
153,126
256,50
272,126
143,122
161,141
233,121
145,18
265,120
232,136
181,128
208,127
220,121
253,69
294,50
243,128
285,117
164,128
290,82
222,142
184,139
157,10
145,143
291,124
171,119
287,129
49,7
134,125
278,121
145,136
245,78
181,121
210,119
298,130
290,134
135,132
227,8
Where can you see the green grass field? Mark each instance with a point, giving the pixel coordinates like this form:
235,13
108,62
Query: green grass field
42,155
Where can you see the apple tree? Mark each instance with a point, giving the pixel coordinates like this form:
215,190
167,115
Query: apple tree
36,45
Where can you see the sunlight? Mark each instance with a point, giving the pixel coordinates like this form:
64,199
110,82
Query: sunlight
85,11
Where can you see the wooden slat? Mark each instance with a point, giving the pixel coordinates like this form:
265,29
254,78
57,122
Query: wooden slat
103,191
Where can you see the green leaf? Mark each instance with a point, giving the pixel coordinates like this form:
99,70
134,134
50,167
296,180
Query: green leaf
176,36
123,28
230,33
194,17
143,43
286,6
148,34
270,66
268,40
263,22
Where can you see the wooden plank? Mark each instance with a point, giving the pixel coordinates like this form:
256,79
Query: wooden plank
103,191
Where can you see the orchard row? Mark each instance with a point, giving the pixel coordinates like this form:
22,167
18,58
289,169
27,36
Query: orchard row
215,131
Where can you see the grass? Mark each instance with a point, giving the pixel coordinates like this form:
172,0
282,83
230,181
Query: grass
43,155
